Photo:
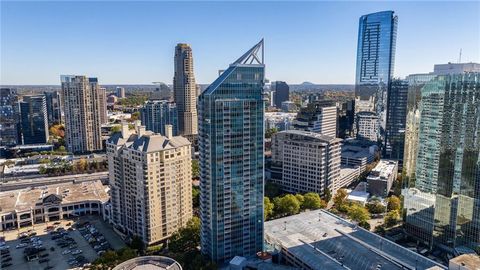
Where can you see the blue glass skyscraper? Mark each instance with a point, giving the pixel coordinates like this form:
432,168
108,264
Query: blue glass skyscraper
34,120
377,35
231,132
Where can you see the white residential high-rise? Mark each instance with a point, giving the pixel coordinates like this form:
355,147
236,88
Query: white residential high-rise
150,180
326,122
309,162
366,126
185,91
81,105
102,100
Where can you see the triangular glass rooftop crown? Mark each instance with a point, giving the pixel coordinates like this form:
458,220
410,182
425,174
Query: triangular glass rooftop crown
252,56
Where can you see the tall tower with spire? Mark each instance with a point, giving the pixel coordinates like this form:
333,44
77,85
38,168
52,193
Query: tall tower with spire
185,91
231,133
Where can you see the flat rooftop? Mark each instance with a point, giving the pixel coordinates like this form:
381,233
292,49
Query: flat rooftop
25,199
383,170
355,151
325,241
469,261
149,263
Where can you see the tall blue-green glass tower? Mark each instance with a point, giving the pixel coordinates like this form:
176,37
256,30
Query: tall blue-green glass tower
231,132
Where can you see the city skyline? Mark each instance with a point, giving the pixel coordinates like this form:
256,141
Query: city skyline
309,41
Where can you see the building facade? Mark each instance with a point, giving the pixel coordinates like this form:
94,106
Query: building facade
34,119
309,162
281,93
377,35
9,117
150,179
156,114
396,117
231,113
442,201
366,126
81,96
185,92
319,117
381,178
54,107
102,105
120,92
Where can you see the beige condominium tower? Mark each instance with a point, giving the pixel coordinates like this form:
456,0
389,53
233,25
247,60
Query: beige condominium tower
150,181
82,110
185,92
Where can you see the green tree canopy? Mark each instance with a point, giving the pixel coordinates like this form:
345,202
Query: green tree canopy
313,201
340,198
358,213
328,195
187,238
286,205
394,203
392,218
375,207
195,169
268,208
270,132
196,196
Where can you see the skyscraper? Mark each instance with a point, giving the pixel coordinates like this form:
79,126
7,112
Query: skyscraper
366,126
34,119
54,107
396,116
82,113
120,92
156,114
231,116
9,117
102,103
281,93
150,180
442,201
185,91
377,35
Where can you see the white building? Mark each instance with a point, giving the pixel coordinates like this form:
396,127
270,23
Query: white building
326,122
381,178
150,179
366,126
279,120
25,207
309,162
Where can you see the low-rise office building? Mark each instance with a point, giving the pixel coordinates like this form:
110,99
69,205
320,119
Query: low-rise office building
308,161
320,240
381,178
25,207
357,155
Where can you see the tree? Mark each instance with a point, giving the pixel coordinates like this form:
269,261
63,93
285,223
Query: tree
270,132
267,208
340,198
358,213
328,195
82,164
137,243
286,205
313,201
135,116
187,238
195,169
364,224
116,129
392,218
375,207
196,196
394,203
111,258
300,199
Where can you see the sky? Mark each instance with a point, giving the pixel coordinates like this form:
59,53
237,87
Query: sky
126,42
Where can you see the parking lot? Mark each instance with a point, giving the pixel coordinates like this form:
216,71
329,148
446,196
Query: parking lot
60,245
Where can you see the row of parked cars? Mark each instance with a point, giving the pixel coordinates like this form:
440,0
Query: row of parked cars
5,258
63,240
94,238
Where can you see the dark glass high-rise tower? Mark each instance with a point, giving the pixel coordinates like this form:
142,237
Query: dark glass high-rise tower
34,119
281,93
377,35
9,117
231,132
442,202
155,114
396,116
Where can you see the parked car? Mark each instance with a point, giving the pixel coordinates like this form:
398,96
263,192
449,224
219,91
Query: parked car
21,245
48,268
44,260
4,265
44,255
76,252
99,253
7,259
66,251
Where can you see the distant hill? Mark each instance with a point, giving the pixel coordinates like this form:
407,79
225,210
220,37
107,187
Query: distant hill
308,86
